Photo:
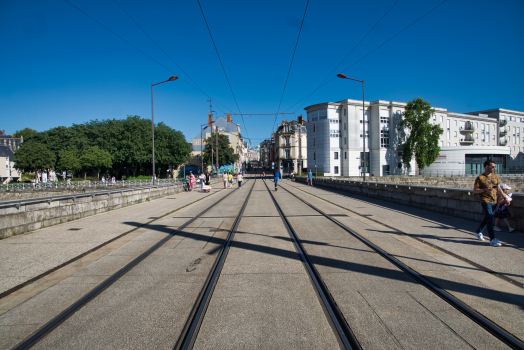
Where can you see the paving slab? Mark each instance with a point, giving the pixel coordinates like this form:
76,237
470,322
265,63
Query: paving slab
352,272
264,298
40,308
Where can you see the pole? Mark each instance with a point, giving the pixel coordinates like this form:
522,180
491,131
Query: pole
153,133
364,133
217,148
212,153
300,149
201,158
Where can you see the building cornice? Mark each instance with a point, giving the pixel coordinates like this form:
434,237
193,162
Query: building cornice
500,110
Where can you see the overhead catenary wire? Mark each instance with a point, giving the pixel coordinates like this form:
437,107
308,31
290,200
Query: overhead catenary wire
366,55
216,49
291,64
142,52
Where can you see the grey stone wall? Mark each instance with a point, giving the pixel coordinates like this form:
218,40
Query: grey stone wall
454,202
24,216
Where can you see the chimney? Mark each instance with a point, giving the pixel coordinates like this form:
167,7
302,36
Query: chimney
209,120
228,118
3,133
300,120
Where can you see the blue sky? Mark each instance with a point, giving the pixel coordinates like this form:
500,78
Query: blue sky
59,67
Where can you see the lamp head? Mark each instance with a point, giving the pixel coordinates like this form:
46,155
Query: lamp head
173,77
343,76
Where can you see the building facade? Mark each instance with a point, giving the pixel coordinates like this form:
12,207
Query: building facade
224,126
335,139
290,146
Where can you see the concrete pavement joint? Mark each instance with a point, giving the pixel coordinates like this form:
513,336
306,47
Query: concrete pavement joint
456,256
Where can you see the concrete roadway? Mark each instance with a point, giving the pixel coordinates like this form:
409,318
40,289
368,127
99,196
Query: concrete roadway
264,298
384,307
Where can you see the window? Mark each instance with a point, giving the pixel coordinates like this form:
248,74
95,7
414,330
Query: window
287,153
336,170
336,155
344,140
455,122
454,144
441,119
454,134
448,122
384,138
334,133
447,134
477,125
384,120
448,143
345,112
345,155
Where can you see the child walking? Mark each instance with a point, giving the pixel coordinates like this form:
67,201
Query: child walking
502,211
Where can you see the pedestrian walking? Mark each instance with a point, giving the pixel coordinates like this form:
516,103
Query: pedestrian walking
487,186
208,179
277,178
310,178
230,180
502,211
192,180
225,179
239,179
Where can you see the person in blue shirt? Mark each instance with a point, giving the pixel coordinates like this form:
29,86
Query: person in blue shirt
310,178
277,178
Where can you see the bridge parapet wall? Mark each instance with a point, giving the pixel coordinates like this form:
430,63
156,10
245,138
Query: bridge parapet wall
454,202
17,217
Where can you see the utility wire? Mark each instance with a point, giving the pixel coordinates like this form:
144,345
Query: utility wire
142,52
291,64
230,88
366,55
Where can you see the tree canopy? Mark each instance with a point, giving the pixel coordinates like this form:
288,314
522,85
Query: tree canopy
25,133
423,137
32,156
127,142
226,154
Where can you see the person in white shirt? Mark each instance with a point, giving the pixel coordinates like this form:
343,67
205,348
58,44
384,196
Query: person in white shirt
239,179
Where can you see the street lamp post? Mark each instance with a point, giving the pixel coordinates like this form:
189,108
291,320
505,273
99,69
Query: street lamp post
201,140
364,163
172,78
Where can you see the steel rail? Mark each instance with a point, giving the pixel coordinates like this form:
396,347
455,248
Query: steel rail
342,331
497,331
191,328
37,336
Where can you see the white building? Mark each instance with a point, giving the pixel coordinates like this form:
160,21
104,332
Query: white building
335,140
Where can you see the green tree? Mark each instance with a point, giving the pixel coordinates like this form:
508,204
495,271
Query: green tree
25,133
68,160
32,156
423,136
171,148
226,154
93,159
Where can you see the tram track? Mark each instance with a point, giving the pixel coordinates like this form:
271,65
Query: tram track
76,306
490,326
334,315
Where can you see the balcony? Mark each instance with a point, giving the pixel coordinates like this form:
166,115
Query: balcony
467,140
285,145
503,133
503,122
468,128
503,142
